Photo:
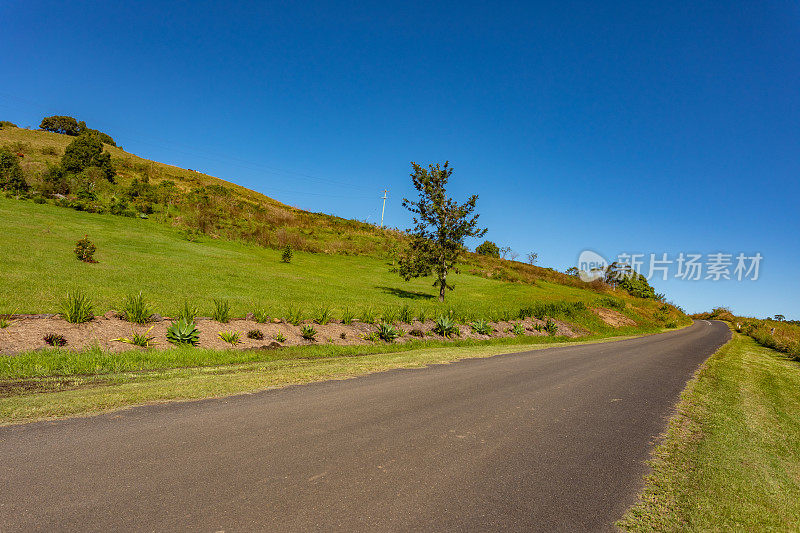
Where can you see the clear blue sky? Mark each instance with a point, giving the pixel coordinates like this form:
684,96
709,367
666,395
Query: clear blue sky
645,127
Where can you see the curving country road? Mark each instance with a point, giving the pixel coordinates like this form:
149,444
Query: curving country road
550,440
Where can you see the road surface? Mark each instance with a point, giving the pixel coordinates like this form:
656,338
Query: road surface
550,440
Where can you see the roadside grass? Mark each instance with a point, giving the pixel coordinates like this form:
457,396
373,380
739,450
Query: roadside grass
731,457
92,382
60,362
143,256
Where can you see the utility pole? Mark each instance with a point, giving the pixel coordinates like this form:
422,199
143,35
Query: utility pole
385,192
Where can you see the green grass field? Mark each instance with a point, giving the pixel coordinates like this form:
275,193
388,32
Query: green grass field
731,457
142,255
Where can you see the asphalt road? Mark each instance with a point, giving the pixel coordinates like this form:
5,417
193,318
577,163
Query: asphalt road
551,440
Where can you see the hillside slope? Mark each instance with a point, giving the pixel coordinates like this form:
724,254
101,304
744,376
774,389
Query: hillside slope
201,202
214,239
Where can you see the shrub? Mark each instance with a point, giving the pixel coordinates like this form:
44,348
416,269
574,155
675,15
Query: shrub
260,316
294,315
87,151
611,302
550,327
138,339
445,326
231,337
481,327
85,249
76,308
188,312
671,325
368,315
55,339
222,311
323,315
308,332
347,316
280,337
11,177
286,255
406,315
183,333
255,334
387,331
134,309
416,333
488,248
518,329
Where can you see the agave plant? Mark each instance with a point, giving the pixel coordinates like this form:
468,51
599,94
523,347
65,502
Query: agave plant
518,329
481,327
550,327
388,331
183,332
445,326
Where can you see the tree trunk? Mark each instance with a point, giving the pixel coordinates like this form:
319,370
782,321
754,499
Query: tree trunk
442,285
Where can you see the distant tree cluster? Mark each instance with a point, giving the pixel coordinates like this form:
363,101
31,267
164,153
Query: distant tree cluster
66,125
7,124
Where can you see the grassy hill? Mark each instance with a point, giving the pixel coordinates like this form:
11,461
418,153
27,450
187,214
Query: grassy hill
227,247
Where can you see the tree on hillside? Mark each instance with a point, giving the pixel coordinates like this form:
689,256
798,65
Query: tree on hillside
66,125
780,318
440,227
62,124
488,248
87,151
11,173
7,124
532,257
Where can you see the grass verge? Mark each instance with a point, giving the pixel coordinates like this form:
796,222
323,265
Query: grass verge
731,457
192,373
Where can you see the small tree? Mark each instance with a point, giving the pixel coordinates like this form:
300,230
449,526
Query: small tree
286,256
440,227
11,173
532,257
488,248
87,151
85,249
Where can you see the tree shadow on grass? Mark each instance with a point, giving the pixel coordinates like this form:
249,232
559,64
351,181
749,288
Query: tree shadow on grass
402,293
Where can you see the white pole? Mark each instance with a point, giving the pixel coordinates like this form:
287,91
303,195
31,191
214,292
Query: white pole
385,192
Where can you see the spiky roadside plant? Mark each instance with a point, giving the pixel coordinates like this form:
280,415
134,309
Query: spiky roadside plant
445,326
143,340
482,327
308,332
387,331
183,333
76,308
231,337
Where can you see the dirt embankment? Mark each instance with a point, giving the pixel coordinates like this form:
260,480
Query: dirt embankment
28,333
